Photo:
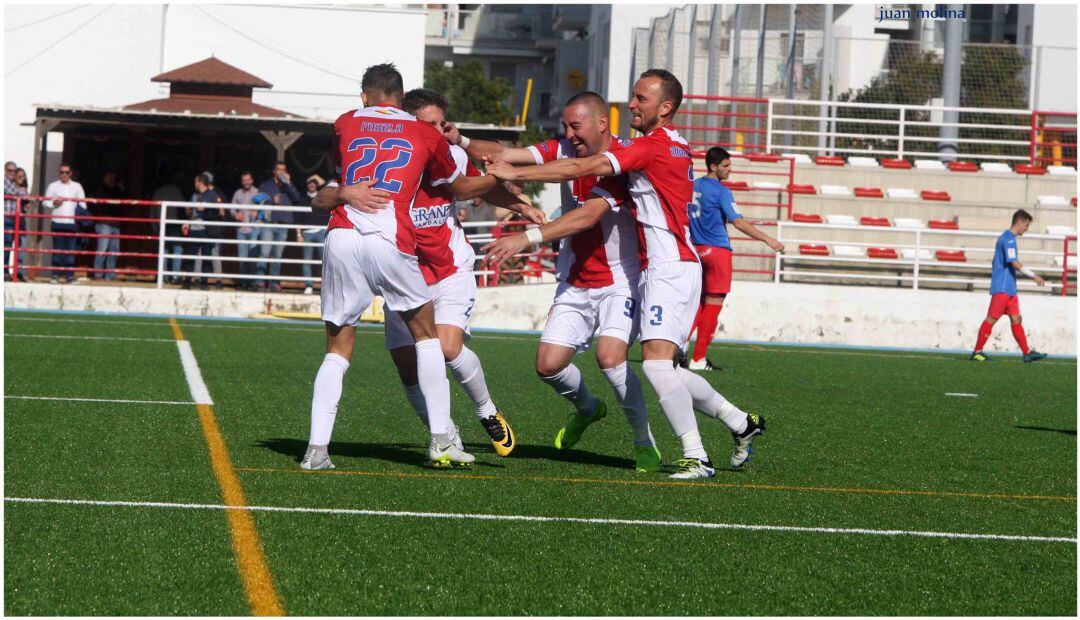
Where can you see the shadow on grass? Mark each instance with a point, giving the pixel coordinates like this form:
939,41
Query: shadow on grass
1063,431
404,453
551,453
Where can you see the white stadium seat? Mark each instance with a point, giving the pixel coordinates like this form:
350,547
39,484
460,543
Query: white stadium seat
1060,201
835,190
909,222
995,166
848,251
1060,230
863,162
1061,170
901,192
841,219
929,164
767,185
909,254
800,158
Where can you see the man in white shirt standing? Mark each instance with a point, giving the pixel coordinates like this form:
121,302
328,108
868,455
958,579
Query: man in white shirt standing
63,221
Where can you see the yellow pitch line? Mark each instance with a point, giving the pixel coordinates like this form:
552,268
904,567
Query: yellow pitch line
662,483
250,559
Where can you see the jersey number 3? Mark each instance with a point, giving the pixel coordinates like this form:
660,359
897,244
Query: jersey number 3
369,149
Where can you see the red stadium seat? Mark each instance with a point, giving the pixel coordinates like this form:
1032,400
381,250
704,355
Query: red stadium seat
802,189
869,192
829,160
930,194
763,157
1074,201
813,250
963,166
874,221
887,253
943,225
737,186
897,164
1029,169
957,256
807,218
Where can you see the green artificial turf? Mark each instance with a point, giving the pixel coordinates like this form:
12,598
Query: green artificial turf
856,439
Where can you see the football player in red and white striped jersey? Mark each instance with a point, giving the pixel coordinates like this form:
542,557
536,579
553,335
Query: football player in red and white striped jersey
598,271
658,190
446,262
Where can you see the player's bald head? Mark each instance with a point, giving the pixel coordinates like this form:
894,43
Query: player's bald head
590,101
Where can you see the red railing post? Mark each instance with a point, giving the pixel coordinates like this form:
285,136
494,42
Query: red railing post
15,239
497,234
1032,149
1065,268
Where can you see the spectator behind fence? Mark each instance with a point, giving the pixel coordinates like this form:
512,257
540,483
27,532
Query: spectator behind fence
196,231
280,190
63,226
12,187
107,246
312,229
245,234
170,192
216,232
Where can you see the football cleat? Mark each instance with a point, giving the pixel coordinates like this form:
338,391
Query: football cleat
316,457
451,455
1034,356
502,436
701,364
690,469
576,423
979,356
744,442
647,458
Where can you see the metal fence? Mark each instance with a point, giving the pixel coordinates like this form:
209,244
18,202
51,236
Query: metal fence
914,257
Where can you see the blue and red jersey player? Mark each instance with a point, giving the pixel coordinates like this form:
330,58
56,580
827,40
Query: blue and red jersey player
711,211
1003,296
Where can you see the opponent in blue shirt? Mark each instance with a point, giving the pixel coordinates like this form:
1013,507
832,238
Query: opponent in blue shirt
1003,297
710,213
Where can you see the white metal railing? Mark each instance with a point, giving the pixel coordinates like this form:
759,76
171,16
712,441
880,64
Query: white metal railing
166,260
910,270
803,126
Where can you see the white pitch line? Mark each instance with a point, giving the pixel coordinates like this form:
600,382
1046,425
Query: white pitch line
103,400
962,394
14,335
542,519
199,393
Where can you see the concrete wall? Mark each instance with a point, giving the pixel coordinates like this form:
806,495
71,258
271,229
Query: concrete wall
755,311
106,55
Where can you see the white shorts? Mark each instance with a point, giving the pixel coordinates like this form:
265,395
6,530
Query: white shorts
670,295
357,267
454,297
577,313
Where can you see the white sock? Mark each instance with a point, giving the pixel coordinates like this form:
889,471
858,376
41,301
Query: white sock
324,401
710,402
416,398
631,397
571,385
677,404
691,446
431,372
469,374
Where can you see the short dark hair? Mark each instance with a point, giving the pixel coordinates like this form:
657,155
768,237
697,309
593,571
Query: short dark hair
715,156
670,87
419,98
384,79
1021,215
587,96
205,178
244,173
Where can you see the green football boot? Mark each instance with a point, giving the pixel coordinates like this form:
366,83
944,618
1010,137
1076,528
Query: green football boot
576,424
648,458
